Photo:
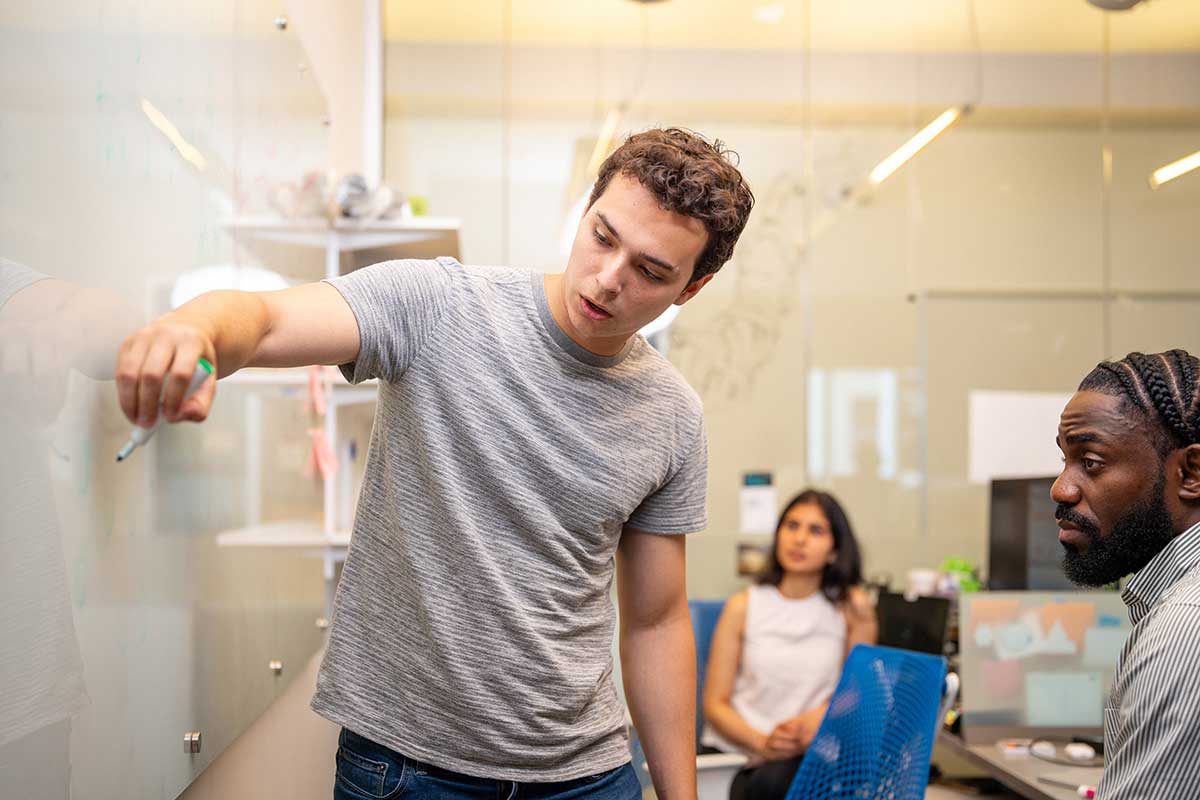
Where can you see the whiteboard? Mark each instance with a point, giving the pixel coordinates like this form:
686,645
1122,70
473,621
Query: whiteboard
123,625
1011,434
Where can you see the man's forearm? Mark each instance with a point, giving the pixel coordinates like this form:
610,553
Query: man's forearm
659,667
235,322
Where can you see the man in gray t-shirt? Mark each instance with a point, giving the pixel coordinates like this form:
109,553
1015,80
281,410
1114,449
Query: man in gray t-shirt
527,441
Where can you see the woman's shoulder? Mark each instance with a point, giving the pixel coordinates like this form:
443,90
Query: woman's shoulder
740,601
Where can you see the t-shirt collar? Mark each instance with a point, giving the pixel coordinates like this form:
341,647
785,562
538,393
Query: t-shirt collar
565,342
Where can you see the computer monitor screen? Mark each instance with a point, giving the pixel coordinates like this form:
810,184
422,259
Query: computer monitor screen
1023,548
918,624
1037,663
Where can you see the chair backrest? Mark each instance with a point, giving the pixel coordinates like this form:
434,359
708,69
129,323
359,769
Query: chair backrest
877,737
704,620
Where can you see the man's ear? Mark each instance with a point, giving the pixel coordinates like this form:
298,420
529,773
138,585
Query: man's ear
692,289
1189,467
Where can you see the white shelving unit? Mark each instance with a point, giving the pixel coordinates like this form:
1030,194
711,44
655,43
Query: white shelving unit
325,538
285,533
344,236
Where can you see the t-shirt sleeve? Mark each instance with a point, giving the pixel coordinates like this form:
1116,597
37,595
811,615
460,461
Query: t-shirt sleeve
398,305
14,277
679,504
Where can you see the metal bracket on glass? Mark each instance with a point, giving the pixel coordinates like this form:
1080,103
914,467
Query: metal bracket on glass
191,742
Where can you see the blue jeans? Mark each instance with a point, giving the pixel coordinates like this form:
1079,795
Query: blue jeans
370,771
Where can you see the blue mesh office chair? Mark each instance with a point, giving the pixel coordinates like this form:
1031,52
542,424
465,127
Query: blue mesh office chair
714,772
705,614
877,737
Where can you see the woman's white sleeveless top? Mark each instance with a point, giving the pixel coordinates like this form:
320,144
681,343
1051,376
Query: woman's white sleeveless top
792,654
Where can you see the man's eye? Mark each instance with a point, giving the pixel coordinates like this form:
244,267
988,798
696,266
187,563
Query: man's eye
1090,464
649,274
600,238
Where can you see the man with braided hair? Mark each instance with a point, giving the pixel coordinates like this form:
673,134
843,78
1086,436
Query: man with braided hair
1128,501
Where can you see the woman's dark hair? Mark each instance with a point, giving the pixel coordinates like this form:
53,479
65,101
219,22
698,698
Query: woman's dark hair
845,571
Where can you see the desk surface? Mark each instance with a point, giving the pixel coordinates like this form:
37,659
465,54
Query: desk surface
1021,773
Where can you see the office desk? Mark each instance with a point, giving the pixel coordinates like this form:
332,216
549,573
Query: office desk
1020,773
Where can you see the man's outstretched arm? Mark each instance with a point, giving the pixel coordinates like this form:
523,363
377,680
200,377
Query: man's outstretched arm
303,325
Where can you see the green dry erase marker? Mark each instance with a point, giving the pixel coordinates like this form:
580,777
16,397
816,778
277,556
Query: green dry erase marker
139,435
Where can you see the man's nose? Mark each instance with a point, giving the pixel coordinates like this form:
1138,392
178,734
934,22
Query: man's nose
609,276
1064,491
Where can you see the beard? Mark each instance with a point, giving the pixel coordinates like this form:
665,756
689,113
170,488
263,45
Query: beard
1137,536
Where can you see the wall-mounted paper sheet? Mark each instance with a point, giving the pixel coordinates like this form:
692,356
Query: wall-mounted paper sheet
757,504
1011,434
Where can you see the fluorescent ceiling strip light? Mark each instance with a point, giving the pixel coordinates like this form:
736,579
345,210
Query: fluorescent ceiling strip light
914,145
605,139
1173,170
189,153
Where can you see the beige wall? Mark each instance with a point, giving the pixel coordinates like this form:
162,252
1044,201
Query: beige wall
979,266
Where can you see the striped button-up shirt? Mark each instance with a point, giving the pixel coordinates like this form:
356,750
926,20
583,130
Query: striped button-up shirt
1152,717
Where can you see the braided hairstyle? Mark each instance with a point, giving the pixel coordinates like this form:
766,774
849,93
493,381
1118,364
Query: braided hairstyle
1164,387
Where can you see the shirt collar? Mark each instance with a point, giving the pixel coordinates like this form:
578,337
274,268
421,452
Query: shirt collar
1147,587
560,337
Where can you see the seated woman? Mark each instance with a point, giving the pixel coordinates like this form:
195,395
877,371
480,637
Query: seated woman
778,648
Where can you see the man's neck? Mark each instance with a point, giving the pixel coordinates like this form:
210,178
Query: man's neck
555,288
1189,521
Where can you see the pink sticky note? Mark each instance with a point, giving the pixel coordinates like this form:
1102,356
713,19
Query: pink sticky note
1002,679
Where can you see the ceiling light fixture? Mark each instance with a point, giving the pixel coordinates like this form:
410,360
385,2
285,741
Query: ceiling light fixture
914,145
159,120
604,141
771,13
1173,170
1115,5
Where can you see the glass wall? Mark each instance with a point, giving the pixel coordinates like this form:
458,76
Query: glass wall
131,136
843,344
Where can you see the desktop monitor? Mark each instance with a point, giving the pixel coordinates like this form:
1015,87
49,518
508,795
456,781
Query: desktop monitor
1023,548
918,624
1037,663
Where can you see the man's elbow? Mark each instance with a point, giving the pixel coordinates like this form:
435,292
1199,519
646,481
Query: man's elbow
672,614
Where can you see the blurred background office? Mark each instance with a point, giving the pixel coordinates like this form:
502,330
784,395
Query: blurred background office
961,208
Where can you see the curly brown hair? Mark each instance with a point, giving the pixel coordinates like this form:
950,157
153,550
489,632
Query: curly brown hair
690,176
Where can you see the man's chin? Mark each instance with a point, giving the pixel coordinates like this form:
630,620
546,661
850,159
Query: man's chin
1081,572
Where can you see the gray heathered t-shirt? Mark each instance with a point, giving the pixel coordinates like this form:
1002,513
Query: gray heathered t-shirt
473,623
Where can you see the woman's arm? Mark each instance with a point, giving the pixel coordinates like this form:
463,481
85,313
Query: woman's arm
862,626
